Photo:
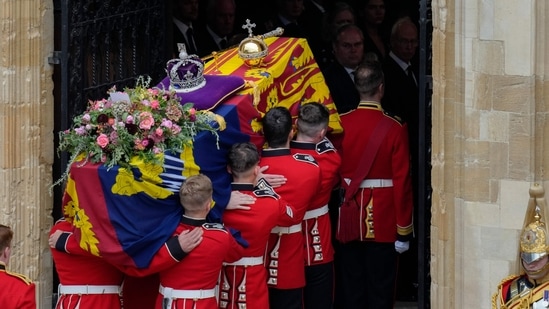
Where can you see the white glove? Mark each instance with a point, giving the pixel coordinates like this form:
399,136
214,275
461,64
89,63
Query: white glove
402,246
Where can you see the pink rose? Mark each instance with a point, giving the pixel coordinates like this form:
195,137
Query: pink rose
138,144
192,111
102,140
129,119
166,123
159,132
114,137
155,104
176,129
146,120
80,130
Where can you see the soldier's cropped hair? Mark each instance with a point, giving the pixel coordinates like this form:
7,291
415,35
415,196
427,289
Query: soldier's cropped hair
312,118
195,191
368,76
243,157
277,125
6,235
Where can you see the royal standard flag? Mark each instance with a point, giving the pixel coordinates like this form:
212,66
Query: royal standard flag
289,76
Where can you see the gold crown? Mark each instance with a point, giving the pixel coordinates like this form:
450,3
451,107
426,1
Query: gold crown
533,245
186,73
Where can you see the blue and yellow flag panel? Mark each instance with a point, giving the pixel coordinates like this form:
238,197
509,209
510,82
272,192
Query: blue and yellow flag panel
121,215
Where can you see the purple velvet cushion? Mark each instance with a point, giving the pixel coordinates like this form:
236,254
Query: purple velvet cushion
217,88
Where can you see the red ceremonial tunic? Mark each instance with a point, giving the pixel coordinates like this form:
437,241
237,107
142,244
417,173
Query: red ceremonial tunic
76,266
200,269
137,292
318,230
285,260
391,207
16,290
245,286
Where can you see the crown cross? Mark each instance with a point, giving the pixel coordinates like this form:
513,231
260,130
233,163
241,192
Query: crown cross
181,47
248,25
188,75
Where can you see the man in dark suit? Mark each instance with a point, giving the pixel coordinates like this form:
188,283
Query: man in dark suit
287,15
218,32
312,19
348,52
402,98
401,91
184,14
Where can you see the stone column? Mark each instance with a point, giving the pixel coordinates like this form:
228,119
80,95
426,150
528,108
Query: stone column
26,130
490,65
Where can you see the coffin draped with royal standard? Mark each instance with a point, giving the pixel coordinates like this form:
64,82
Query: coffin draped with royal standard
124,212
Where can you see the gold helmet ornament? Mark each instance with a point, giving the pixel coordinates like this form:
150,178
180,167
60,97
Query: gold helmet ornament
253,49
533,240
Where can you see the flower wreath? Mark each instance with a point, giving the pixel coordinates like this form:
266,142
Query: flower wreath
140,121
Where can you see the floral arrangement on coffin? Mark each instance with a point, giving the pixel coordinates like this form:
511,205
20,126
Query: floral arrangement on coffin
140,122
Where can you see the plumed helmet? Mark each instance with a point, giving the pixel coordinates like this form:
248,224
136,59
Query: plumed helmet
533,240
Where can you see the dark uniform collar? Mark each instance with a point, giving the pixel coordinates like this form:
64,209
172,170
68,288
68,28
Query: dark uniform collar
275,152
242,186
302,145
192,221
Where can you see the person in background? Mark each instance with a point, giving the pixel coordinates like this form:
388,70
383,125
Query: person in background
372,16
185,15
312,19
401,90
244,282
16,290
312,125
339,14
375,219
284,261
287,14
402,98
349,53
219,31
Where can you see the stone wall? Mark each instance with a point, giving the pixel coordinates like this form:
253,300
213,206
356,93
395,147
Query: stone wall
26,136
489,124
